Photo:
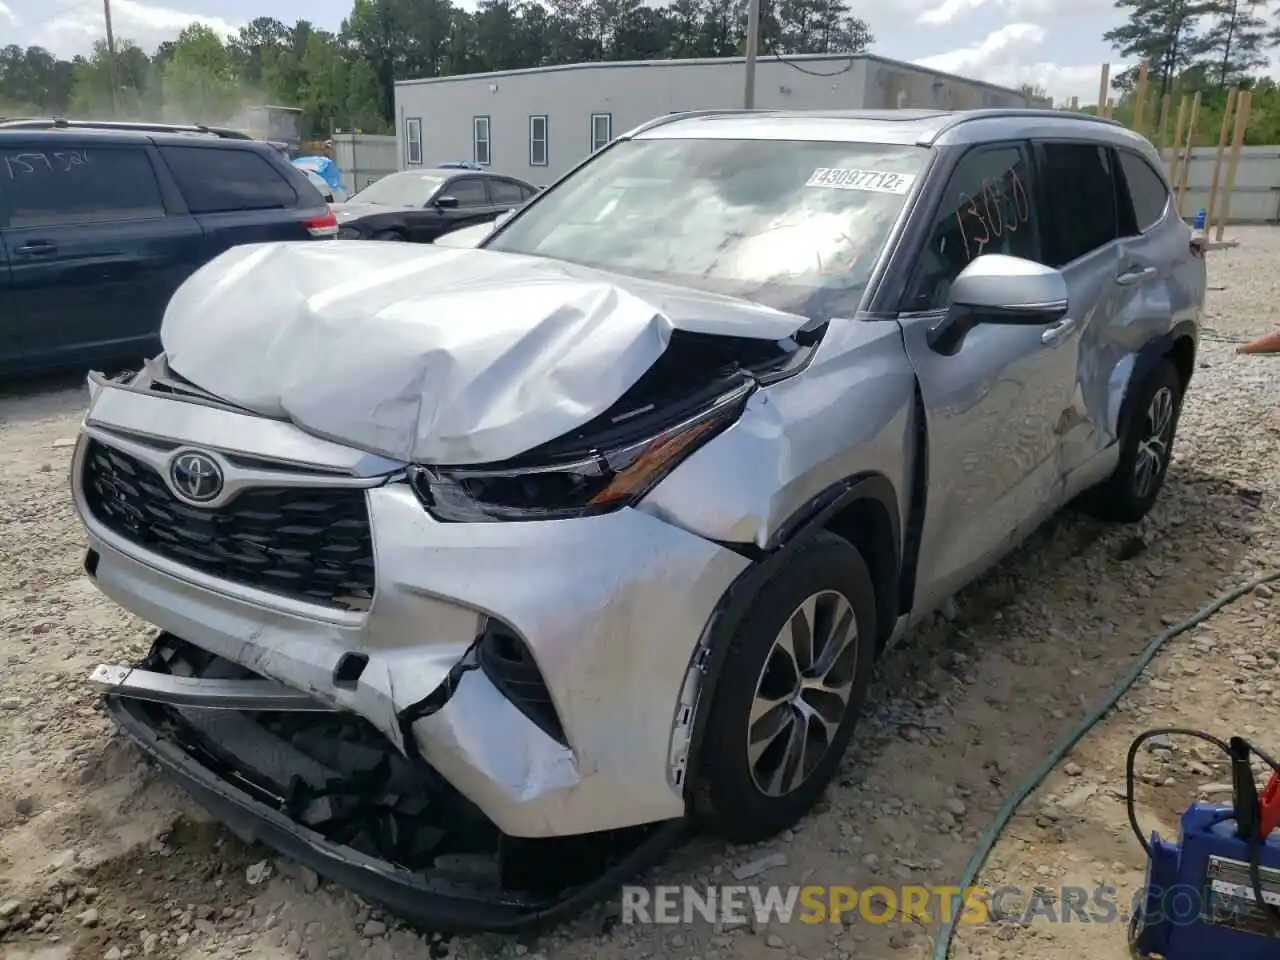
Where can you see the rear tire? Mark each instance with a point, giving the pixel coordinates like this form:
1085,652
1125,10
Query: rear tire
1148,433
793,684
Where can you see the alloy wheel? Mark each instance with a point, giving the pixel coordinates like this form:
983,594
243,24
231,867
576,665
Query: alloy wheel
1153,448
803,693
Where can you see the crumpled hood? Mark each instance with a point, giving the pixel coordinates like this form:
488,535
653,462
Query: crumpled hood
427,354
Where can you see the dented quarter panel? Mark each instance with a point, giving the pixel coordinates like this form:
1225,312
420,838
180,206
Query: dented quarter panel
849,413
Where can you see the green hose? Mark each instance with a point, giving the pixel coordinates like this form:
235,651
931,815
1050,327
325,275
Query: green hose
990,836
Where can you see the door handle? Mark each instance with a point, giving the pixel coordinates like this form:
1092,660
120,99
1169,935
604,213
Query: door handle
1053,334
37,248
1135,276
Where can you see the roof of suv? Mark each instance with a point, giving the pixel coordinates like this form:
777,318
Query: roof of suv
127,132
904,127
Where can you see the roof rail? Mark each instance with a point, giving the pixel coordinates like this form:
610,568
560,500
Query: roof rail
959,117
62,123
687,114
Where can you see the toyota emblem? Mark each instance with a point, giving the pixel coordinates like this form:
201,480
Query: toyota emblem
195,477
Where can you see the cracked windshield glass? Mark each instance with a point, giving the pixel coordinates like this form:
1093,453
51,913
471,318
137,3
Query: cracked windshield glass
795,225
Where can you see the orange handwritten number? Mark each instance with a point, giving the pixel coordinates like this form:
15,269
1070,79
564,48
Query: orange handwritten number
989,199
976,214
1021,205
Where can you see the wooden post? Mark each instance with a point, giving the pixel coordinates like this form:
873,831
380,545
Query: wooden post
1163,129
1140,99
1237,141
1217,160
1177,142
1104,84
1111,108
1186,156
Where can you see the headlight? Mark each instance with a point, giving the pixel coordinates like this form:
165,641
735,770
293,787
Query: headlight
348,233
614,476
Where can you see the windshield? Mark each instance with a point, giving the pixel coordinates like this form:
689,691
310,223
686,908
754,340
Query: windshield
400,190
796,225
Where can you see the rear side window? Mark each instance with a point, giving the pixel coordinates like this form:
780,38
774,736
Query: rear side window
987,208
63,186
1081,191
1146,190
504,191
221,180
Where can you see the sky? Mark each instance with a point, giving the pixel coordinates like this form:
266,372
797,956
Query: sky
1054,44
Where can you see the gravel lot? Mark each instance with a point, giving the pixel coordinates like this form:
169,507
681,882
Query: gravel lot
99,857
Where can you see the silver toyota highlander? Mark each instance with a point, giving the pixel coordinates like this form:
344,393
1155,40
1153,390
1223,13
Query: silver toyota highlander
481,572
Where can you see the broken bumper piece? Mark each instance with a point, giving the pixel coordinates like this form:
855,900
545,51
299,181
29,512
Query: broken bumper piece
326,789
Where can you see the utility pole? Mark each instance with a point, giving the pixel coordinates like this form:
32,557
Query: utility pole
111,60
753,43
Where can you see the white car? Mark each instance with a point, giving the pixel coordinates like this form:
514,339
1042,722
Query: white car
319,183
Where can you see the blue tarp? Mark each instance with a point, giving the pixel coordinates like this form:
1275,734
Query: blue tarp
325,167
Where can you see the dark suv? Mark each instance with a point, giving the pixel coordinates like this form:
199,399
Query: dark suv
100,223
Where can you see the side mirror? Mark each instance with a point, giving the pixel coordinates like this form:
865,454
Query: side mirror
446,203
995,288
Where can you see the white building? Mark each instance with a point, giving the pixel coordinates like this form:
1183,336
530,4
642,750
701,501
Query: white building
537,124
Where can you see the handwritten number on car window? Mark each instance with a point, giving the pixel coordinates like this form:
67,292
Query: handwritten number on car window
986,217
26,164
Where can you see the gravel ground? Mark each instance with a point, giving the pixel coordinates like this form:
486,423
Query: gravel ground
100,858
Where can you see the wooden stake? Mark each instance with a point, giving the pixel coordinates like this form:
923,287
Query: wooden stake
1243,105
1104,84
1177,142
1217,160
1186,156
1164,120
1140,99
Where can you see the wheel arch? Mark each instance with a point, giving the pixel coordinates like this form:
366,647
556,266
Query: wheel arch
1179,345
862,509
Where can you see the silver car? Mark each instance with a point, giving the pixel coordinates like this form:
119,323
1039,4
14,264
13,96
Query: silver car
481,573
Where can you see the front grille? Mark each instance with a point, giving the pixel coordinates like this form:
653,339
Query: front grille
312,545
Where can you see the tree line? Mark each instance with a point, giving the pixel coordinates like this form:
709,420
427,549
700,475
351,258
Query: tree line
1198,46
345,80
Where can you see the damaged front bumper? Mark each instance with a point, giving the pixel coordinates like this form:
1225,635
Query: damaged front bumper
325,789
582,633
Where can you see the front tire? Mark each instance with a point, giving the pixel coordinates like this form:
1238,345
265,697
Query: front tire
1148,434
390,235
794,681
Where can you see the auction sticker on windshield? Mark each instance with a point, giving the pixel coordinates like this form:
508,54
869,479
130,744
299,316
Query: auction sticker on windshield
874,181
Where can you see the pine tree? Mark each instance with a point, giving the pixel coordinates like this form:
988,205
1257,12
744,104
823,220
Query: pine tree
1165,33
1236,41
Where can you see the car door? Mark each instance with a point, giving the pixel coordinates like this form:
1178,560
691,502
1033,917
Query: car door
992,408
474,202
239,196
1160,284
505,194
1083,193
94,252
11,356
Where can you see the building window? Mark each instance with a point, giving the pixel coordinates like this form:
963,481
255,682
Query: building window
480,149
601,130
538,141
413,141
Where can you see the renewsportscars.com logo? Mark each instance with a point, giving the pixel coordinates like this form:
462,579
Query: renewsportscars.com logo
743,904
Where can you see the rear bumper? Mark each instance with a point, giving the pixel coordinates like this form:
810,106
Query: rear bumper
444,907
